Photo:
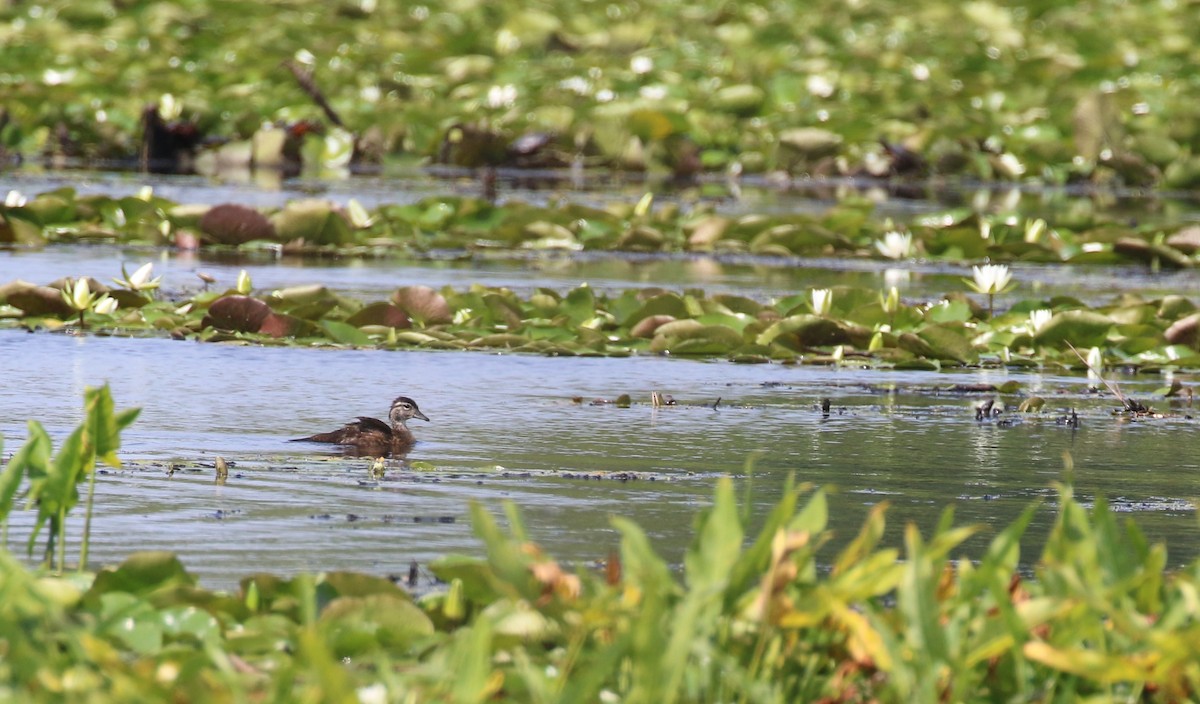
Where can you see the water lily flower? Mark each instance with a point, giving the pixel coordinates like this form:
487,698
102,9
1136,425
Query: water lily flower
140,281
78,295
105,305
890,302
15,199
1095,361
243,282
990,279
1038,319
895,245
822,301
1034,230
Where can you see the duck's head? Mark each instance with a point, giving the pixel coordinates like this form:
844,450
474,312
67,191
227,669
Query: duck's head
404,409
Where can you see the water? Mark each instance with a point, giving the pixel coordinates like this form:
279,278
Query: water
505,427
508,427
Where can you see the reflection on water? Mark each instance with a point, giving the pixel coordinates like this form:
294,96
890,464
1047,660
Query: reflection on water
500,421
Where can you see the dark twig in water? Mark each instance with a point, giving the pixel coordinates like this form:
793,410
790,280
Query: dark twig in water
305,79
716,403
1129,404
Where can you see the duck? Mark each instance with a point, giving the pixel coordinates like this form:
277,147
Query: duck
365,436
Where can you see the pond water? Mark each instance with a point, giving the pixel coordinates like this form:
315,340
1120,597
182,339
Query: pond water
508,427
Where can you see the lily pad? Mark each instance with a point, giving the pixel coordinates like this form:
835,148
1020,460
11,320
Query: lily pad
312,221
1082,328
380,313
235,224
799,331
423,305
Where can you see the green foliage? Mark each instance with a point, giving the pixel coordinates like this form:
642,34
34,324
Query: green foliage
765,619
989,90
53,483
861,326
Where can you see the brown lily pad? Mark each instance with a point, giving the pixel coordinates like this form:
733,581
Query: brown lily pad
246,314
423,304
38,300
1184,331
646,327
235,224
381,313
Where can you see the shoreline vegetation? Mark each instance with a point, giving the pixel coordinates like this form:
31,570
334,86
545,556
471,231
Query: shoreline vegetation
761,618
1029,92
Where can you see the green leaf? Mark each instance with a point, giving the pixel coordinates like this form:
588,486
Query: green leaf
346,334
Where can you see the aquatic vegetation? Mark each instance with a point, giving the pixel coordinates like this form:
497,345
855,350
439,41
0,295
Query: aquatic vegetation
990,279
992,91
452,223
839,325
772,616
53,482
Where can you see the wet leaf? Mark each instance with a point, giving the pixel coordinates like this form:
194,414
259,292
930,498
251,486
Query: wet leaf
313,221
422,304
646,327
799,331
380,313
38,300
1082,328
237,313
949,342
346,334
235,224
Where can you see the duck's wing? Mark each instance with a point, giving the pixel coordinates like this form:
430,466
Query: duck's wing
350,432
372,425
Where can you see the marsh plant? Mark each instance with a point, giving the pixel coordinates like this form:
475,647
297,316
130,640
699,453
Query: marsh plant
142,281
990,280
52,479
80,298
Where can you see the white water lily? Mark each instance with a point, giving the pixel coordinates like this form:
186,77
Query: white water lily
105,305
990,279
140,281
78,295
822,301
895,245
1038,319
1095,360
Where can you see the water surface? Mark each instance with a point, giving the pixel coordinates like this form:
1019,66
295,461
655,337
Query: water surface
505,428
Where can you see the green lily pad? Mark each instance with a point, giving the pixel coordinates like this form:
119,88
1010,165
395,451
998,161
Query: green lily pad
697,340
381,621
345,333
313,221
949,342
670,304
1082,328
799,331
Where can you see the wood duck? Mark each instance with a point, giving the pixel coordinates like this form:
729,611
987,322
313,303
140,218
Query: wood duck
372,437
